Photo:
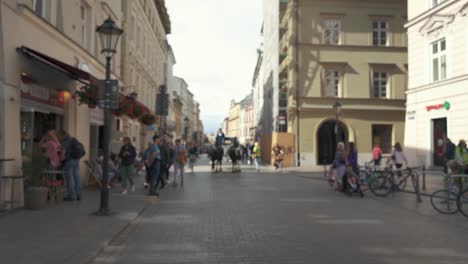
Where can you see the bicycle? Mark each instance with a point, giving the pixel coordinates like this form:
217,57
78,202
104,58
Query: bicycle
366,173
462,202
445,201
384,185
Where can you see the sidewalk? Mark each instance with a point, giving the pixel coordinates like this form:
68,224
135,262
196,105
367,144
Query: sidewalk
67,232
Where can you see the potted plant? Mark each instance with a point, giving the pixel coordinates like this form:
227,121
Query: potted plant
35,191
87,95
138,111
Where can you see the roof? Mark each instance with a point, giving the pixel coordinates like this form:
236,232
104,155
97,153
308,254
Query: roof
163,15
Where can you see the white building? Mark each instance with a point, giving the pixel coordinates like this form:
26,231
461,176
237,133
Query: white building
257,85
438,78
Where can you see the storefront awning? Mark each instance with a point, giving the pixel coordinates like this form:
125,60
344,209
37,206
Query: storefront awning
72,72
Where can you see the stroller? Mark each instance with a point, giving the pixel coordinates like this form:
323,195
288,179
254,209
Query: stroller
351,182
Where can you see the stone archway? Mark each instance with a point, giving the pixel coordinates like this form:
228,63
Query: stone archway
326,140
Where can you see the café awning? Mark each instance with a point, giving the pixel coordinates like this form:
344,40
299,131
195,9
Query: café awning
72,72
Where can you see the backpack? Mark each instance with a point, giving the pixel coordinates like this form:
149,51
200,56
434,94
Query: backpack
181,157
77,150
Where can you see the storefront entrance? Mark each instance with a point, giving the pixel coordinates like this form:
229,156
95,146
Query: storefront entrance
33,127
326,141
439,135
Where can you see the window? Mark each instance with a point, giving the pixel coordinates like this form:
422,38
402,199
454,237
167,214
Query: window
380,84
439,60
85,14
331,31
38,7
436,2
382,136
331,86
379,33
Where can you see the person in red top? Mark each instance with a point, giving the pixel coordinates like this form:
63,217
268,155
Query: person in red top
52,149
377,155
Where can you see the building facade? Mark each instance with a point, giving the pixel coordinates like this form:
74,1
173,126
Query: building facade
51,52
144,59
246,120
348,52
438,78
233,126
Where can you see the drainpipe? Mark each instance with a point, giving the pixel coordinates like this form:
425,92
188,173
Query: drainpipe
296,66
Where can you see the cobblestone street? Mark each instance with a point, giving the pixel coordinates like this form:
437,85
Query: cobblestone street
282,218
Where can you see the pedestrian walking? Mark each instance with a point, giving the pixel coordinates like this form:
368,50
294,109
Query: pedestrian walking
352,168
154,164
145,157
461,157
377,155
74,151
180,159
257,155
449,154
340,163
192,155
127,165
165,160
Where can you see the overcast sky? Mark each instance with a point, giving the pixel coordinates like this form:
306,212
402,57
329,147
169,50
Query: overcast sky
215,43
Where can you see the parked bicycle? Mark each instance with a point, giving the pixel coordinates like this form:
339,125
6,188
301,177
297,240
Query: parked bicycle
372,177
394,180
445,201
462,202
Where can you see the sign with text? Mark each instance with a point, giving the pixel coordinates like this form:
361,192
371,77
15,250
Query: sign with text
445,105
44,95
162,104
109,94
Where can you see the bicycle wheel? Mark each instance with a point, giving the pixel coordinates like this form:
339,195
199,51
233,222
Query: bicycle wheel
462,202
444,201
381,185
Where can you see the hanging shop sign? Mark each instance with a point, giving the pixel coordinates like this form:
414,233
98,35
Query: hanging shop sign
43,95
282,120
445,105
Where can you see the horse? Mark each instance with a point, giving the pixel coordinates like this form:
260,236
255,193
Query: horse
216,154
235,154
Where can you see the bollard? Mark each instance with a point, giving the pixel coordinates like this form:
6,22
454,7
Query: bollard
418,193
424,178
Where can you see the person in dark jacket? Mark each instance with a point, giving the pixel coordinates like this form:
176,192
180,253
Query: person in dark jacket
165,156
449,154
127,165
219,140
72,167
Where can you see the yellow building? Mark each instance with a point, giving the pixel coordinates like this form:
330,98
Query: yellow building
352,52
234,120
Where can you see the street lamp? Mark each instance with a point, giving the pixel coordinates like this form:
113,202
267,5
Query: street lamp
109,34
186,129
337,106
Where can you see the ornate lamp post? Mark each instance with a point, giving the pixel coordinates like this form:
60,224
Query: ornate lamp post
186,128
109,34
337,106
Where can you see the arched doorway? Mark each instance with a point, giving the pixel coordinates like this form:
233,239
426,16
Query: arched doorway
326,141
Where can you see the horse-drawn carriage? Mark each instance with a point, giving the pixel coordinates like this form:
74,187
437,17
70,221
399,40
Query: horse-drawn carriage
231,148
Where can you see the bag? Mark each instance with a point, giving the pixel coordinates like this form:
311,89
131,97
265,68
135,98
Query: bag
77,150
181,157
